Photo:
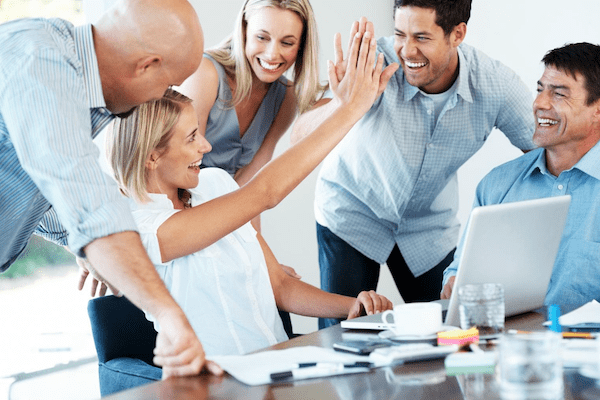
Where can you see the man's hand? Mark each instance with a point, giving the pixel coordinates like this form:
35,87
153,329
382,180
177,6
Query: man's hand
447,289
86,269
178,351
361,27
369,302
363,78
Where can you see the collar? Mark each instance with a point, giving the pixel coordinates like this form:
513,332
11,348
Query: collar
158,201
538,165
588,164
462,81
84,46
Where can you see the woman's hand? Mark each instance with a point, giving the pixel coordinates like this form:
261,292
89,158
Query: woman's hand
290,271
369,303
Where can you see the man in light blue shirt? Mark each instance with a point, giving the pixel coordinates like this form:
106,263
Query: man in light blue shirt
60,85
567,112
388,193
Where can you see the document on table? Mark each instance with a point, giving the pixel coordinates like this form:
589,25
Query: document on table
256,369
588,313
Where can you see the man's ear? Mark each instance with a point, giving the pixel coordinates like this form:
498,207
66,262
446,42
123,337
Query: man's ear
458,34
148,64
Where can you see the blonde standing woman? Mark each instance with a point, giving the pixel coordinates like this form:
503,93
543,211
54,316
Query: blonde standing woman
243,100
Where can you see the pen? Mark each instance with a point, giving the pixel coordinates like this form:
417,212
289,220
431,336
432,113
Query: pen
310,370
358,364
553,316
577,335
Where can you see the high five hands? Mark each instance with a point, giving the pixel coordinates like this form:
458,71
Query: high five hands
360,61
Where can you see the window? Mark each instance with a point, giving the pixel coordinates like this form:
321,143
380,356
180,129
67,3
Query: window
70,10
44,318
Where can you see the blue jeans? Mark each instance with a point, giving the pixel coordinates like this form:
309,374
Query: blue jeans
345,270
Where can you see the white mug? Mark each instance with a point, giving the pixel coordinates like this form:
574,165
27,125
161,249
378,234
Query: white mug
414,319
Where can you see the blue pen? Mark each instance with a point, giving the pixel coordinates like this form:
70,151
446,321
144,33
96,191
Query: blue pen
553,315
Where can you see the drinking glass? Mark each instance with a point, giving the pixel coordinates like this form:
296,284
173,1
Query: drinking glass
530,366
482,306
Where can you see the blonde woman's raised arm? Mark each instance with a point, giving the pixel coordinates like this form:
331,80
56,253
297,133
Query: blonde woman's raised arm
354,95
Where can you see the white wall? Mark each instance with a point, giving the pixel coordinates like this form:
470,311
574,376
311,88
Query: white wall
517,32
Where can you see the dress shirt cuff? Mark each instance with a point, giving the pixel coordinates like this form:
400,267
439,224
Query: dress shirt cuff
51,229
113,217
448,273
60,238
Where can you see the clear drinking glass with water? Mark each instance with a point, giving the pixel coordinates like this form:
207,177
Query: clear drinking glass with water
530,366
482,306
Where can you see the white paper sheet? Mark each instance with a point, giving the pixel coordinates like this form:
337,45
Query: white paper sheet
589,312
255,369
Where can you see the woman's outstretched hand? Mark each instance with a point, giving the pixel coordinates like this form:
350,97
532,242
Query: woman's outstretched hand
369,303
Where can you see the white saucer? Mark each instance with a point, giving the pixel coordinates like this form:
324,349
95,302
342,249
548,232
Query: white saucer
390,335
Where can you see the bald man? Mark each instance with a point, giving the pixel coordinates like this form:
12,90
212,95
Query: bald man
60,85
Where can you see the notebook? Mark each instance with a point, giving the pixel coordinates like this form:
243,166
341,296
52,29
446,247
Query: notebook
514,244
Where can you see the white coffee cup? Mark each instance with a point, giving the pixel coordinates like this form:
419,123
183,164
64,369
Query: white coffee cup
414,319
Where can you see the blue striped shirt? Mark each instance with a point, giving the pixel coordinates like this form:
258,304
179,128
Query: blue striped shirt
392,179
575,278
51,106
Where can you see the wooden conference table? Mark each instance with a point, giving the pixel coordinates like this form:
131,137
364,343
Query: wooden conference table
419,380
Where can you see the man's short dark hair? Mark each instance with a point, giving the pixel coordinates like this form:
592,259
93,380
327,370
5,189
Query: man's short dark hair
583,58
449,13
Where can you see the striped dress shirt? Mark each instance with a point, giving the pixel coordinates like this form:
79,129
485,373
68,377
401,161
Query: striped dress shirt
51,107
392,180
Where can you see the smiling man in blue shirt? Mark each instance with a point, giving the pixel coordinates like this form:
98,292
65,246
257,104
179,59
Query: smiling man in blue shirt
567,130
59,86
389,192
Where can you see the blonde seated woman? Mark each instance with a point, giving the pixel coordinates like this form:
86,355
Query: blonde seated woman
195,223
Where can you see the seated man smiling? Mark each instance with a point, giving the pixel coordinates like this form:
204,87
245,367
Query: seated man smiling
567,131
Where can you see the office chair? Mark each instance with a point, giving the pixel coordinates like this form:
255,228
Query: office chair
124,341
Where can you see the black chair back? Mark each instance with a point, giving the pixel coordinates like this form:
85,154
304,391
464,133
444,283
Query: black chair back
120,329
124,341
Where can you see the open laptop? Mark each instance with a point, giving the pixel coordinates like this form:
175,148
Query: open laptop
514,244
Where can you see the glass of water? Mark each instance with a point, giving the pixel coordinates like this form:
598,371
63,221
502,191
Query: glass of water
531,366
482,306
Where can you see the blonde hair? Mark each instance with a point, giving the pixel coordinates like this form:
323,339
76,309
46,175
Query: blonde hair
149,127
231,53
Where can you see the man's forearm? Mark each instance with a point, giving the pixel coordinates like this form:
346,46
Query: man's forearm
122,260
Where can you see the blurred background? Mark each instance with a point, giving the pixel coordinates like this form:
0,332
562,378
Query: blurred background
46,350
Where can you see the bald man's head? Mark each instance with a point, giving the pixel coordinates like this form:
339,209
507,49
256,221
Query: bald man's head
145,46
